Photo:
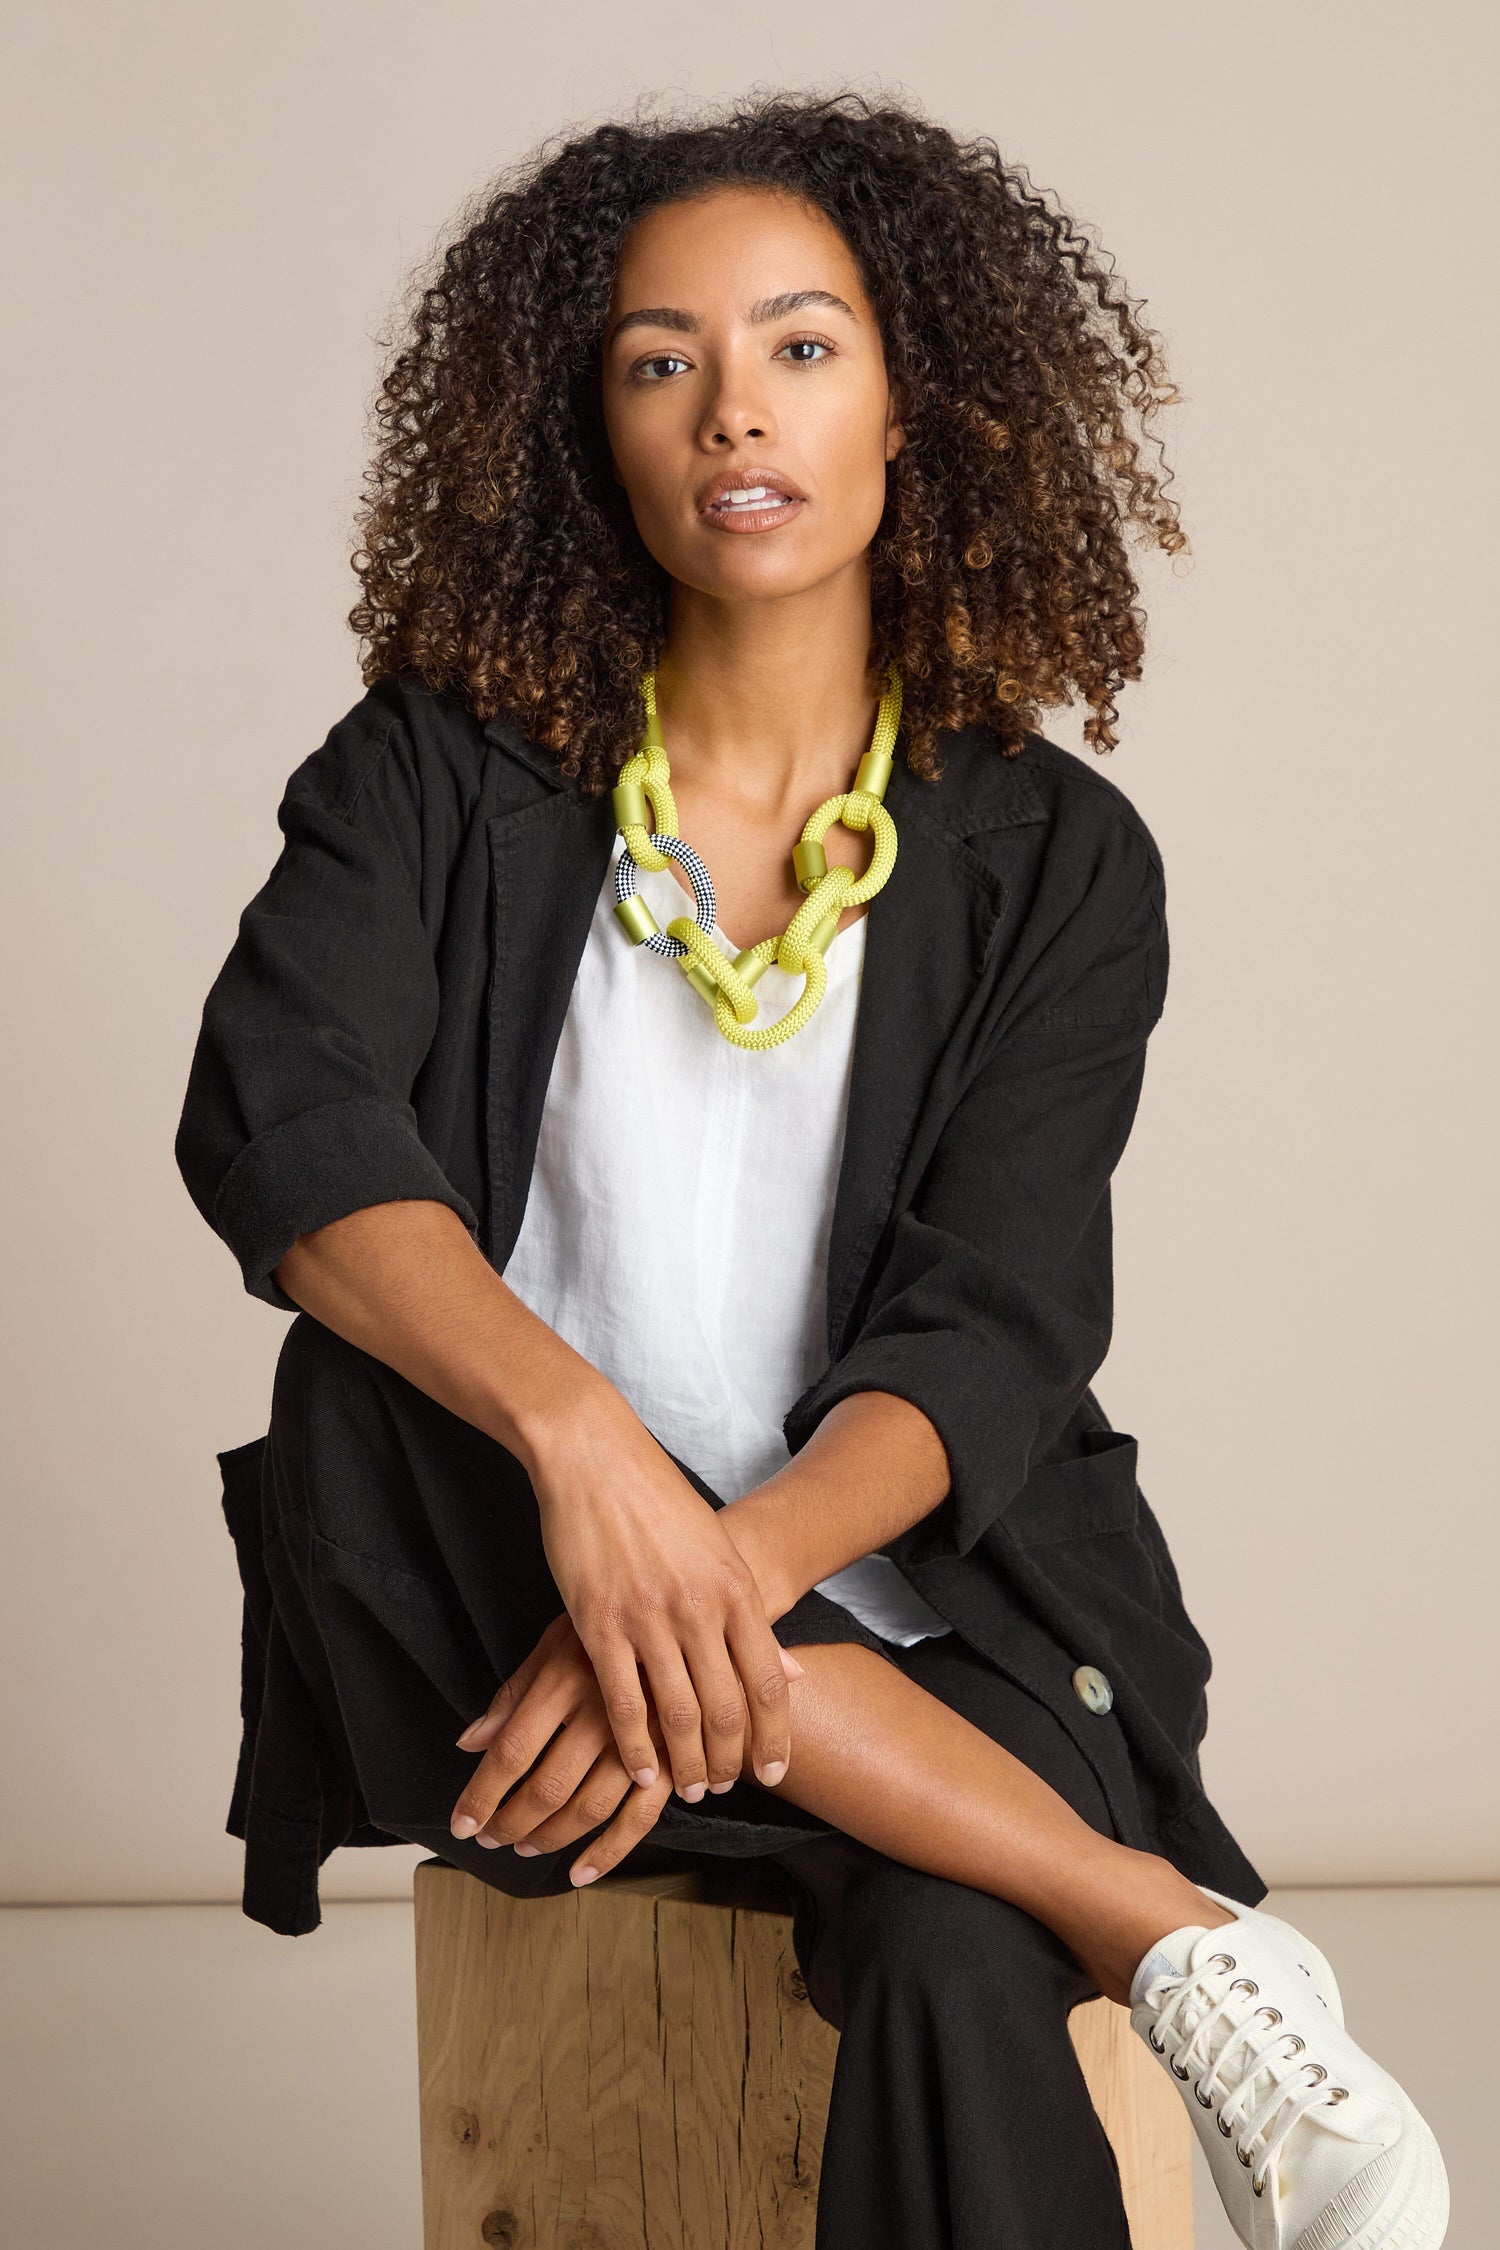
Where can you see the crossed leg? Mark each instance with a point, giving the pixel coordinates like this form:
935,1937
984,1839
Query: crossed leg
881,1758
959,2116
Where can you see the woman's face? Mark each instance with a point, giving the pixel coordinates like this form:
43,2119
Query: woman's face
740,350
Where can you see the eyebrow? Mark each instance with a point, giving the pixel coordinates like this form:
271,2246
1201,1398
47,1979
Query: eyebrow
769,308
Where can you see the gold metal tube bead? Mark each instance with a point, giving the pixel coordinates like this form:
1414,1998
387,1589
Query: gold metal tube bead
809,865
874,772
630,804
638,919
699,977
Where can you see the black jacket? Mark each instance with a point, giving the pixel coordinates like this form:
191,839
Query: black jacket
384,1027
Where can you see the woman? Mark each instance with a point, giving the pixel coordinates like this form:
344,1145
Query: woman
721,460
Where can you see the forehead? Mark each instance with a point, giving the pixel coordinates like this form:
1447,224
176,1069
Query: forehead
729,246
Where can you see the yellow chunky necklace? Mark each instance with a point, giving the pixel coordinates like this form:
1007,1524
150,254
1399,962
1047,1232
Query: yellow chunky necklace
645,778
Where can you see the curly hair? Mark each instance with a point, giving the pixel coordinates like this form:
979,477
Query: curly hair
499,554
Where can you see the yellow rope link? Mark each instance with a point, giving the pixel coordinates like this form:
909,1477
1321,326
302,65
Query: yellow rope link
801,946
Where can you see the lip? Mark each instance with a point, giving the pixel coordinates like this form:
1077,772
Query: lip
764,517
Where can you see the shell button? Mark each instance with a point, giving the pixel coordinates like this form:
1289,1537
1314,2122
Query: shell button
1092,1688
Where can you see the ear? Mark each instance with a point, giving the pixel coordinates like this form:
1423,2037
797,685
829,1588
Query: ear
895,432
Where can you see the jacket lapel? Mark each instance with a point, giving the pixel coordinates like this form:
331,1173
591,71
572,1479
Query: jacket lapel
927,941
921,995
547,862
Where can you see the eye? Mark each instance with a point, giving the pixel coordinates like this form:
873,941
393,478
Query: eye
819,343
659,359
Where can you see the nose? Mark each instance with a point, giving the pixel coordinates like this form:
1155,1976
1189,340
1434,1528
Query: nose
736,411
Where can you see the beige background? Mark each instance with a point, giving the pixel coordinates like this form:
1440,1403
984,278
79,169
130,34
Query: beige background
209,210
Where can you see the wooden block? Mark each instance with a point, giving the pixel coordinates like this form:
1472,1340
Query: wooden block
1149,2130
637,2066
620,2067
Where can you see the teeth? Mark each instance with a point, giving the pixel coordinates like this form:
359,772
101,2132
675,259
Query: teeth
748,496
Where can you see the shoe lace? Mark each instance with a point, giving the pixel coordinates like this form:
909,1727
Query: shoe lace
1201,2020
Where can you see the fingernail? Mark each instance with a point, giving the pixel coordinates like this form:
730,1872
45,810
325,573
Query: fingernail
645,1775
719,1787
582,1875
527,1851
693,1792
465,1825
468,1739
490,1843
772,1773
793,1669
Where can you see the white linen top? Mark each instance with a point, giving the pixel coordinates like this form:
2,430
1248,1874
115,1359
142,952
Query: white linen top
677,1222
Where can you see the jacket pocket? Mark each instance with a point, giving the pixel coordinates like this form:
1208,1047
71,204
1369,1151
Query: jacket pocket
1094,1491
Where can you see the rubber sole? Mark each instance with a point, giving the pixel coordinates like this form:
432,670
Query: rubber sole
1413,2215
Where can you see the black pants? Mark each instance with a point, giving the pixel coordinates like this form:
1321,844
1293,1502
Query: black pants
402,1551
959,2117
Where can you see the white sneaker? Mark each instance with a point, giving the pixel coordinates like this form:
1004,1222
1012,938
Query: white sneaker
1311,2144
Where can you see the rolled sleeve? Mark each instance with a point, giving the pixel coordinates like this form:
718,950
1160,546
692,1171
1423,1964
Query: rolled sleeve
992,1305
298,1107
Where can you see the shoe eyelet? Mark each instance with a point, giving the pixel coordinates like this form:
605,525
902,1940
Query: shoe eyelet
1176,2073
1157,2046
1245,1984
1319,2072
1226,2130
1337,2094
1204,2101
1247,2161
1258,2187
1228,1959
1272,2015
1297,2045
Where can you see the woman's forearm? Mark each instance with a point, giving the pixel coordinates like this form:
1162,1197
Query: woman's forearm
658,1595
873,1466
407,1283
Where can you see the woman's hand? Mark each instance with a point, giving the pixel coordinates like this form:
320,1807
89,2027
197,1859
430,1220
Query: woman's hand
575,1784
654,1583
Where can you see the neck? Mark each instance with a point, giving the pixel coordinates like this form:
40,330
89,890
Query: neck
771,694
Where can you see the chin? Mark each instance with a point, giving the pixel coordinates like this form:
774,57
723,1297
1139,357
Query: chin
756,577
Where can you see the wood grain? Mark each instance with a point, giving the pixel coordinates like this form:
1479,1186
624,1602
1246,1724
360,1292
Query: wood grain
1149,2130
637,2066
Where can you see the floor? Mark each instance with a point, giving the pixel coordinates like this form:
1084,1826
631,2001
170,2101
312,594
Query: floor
174,2076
